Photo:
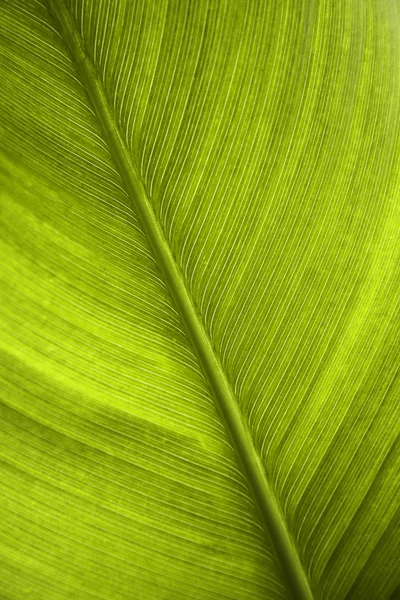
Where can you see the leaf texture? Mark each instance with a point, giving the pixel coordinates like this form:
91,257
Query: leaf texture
266,138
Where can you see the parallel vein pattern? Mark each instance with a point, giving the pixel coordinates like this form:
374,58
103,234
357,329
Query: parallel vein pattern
117,477
267,137
273,166
225,400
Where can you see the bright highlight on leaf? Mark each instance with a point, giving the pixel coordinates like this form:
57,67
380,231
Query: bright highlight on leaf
199,346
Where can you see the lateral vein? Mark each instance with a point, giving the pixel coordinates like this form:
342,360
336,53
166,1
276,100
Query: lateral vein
293,571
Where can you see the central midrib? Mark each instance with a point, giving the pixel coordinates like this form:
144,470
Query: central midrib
294,574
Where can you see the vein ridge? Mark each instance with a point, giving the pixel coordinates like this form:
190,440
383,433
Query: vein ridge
293,571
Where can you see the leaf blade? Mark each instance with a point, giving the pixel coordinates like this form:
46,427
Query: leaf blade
317,203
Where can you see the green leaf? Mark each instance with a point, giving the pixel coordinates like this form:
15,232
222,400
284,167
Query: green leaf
199,346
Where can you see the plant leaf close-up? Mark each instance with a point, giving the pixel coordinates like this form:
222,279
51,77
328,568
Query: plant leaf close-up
200,288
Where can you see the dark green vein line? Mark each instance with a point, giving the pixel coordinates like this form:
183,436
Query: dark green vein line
285,548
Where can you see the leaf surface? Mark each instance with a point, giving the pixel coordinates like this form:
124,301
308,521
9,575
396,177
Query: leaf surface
199,296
